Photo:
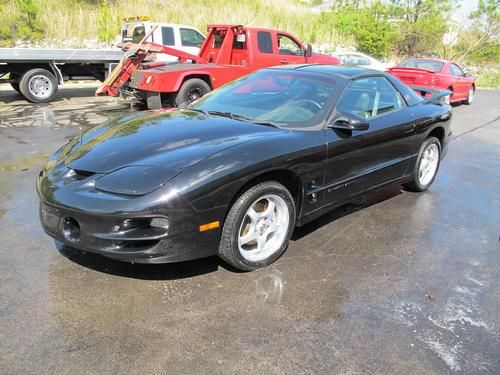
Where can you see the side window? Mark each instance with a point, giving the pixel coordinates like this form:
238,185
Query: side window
369,97
288,46
139,33
344,59
264,42
191,38
456,71
359,60
167,36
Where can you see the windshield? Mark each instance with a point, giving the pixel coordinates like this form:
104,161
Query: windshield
283,98
431,65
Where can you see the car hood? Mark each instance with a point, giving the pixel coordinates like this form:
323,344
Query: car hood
173,139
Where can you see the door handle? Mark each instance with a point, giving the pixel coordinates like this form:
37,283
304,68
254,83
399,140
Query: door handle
283,61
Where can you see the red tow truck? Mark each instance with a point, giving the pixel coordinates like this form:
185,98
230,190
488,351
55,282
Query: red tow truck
228,52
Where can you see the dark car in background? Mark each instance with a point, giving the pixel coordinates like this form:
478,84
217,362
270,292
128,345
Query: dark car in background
233,174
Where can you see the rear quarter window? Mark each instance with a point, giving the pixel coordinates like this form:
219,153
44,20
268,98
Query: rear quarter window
264,42
167,35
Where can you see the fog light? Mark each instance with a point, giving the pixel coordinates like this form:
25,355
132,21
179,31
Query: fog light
71,229
160,222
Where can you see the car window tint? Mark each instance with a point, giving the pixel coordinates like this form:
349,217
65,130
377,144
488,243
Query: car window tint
287,46
456,71
432,65
292,99
410,96
369,97
167,35
191,38
264,42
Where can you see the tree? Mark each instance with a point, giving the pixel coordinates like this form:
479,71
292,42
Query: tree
422,24
19,20
480,42
369,25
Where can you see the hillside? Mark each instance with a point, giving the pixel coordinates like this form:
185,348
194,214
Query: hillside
69,22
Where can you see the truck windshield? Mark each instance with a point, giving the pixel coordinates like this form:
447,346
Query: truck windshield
286,98
432,65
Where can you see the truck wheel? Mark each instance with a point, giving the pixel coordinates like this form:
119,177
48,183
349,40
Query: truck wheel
153,100
15,85
38,85
190,90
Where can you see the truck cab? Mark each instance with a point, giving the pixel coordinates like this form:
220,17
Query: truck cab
181,37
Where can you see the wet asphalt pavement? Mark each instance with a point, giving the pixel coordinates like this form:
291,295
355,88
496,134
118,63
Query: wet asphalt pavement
398,282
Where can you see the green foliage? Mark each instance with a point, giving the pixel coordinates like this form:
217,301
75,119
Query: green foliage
422,24
107,22
368,25
19,19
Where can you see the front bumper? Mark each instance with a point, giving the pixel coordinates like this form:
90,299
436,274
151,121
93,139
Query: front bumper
100,234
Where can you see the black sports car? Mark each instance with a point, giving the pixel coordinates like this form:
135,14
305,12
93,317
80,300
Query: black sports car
235,172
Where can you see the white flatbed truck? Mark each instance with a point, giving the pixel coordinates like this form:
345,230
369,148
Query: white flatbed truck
36,73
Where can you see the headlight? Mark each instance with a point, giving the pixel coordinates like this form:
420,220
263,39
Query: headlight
135,180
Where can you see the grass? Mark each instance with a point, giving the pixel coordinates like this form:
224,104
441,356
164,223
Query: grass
488,78
73,19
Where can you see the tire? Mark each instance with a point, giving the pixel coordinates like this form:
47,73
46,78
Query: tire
15,85
190,90
470,95
235,249
153,100
38,85
430,150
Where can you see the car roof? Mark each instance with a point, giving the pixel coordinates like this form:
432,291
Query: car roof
346,72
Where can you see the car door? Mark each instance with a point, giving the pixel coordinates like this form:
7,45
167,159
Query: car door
358,160
461,85
289,50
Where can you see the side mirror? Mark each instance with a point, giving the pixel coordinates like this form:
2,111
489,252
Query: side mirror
309,51
346,122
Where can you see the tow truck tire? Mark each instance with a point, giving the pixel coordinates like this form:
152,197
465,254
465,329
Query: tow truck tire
38,85
153,100
15,85
190,90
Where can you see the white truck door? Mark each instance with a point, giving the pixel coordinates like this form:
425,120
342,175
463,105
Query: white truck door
191,40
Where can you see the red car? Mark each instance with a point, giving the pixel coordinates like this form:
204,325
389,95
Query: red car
436,74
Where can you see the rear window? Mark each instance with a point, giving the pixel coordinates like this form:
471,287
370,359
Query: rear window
410,96
139,33
191,38
432,65
167,35
264,42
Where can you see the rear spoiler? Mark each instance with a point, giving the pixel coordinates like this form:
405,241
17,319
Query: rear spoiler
433,95
405,69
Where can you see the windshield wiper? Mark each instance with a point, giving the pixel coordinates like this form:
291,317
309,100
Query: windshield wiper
246,119
268,123
223,114
184,106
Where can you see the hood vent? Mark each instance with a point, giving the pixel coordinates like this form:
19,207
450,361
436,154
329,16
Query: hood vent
79,174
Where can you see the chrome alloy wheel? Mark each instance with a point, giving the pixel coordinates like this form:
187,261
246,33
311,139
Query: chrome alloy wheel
428,164
263,228
470,97
40,86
